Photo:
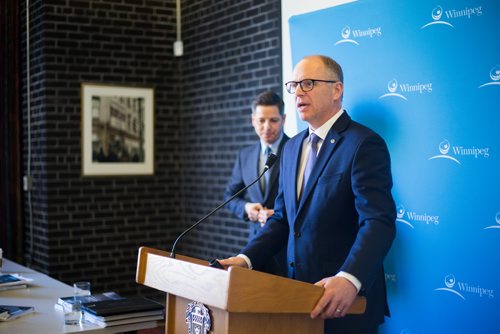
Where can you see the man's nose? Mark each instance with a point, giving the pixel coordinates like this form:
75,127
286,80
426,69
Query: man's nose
298,91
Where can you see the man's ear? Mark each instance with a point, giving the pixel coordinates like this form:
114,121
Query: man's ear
339,90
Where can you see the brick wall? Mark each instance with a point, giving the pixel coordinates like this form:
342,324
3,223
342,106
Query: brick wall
232,53
90,228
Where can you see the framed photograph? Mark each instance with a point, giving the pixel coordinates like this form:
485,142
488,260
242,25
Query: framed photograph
117,130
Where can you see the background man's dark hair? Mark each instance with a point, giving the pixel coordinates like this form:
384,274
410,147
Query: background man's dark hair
269,98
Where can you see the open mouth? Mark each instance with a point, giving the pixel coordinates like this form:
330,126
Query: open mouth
301,105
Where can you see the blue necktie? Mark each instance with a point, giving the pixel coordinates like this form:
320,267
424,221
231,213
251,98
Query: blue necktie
311,160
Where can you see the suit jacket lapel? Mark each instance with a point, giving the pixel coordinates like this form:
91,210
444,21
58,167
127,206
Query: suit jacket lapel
292,182
273,177
252,170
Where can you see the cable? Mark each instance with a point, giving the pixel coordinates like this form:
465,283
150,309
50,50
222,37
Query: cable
28,102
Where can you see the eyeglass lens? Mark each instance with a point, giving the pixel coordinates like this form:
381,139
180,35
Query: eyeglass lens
305,85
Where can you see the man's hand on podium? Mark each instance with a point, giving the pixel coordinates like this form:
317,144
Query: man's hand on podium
234,261
337,298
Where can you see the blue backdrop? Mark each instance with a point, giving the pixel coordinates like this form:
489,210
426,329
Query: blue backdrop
426,76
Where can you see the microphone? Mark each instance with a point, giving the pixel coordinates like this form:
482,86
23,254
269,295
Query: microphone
271,159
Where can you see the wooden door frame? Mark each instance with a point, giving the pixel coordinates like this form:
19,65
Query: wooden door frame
11,195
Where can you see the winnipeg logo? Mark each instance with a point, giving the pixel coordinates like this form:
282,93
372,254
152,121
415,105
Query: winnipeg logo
346,34
357,33
408,217
456,287
497,219
476,152
400,215
444,148
197,318
451,14
393,86
449,282
436,14
495,77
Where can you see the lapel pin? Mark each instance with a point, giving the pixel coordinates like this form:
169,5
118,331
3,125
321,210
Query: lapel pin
332,141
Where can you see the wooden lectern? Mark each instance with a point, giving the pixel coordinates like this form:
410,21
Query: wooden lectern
240,301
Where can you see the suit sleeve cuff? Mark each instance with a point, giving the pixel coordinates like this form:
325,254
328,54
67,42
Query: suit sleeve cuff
247,260
350,278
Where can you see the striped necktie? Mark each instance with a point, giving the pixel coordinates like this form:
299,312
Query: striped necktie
311,160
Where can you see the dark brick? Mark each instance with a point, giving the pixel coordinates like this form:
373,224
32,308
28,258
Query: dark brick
91,227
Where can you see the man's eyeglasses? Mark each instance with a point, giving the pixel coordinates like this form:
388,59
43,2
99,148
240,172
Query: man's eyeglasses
306,85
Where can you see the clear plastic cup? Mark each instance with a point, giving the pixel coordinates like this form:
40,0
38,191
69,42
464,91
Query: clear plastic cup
81,288
72,313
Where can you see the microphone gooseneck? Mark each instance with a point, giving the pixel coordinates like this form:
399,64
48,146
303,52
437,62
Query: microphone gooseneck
271,159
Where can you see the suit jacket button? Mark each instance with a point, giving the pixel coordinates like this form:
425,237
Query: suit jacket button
292,264
297,234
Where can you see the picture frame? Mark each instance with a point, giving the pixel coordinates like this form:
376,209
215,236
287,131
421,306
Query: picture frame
117,135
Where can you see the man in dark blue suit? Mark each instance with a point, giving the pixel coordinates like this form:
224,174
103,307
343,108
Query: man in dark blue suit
334,208
257,203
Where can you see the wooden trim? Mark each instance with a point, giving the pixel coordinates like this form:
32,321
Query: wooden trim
11,195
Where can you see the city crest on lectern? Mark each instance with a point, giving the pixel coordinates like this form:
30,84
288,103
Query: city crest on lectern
197,318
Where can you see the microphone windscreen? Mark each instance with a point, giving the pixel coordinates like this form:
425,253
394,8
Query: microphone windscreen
271,159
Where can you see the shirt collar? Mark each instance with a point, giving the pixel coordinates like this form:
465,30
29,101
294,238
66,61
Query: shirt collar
322,131
274,146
